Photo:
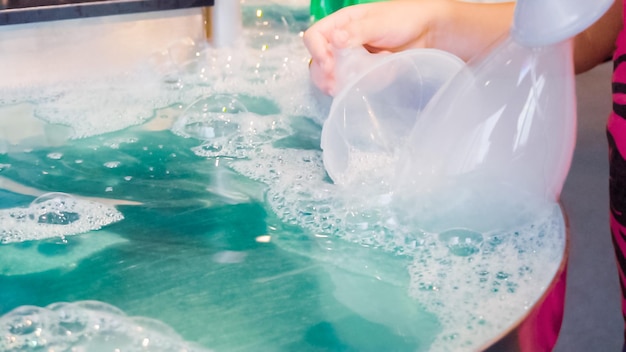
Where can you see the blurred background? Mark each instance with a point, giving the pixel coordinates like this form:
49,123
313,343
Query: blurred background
593,319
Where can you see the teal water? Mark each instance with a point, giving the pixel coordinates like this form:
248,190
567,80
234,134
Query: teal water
185,256
184,206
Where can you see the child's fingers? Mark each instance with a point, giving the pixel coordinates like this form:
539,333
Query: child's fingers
322,78
317,44
355,26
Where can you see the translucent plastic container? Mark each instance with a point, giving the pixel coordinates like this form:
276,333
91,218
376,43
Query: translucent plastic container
380,98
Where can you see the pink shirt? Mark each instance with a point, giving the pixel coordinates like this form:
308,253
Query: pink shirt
616,133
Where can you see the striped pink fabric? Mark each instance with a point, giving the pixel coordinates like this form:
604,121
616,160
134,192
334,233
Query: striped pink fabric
616,133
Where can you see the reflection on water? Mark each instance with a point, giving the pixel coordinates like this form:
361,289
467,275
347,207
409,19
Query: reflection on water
224,229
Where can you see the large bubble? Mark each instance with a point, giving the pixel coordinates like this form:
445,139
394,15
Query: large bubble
210,118
54,208
462,242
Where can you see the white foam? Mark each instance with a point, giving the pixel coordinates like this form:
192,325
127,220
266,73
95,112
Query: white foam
113,103
88,326
478,295
54,215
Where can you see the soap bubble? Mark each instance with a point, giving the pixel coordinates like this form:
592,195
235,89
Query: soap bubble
54,208
168,63
209,118
270,26
269,32
462,242
217,65
55,156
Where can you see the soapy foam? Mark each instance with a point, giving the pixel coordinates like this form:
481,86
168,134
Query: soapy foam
367,167
54,215
481,293
86,326
474,296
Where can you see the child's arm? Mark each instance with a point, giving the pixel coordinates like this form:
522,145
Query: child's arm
462,28
597,43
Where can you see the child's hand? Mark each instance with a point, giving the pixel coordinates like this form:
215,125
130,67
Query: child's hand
385,26
461,28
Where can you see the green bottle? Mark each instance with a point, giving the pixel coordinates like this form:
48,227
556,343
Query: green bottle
323,8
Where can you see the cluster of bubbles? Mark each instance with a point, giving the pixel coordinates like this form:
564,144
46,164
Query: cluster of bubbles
479,283
52,215
226,128
86,326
